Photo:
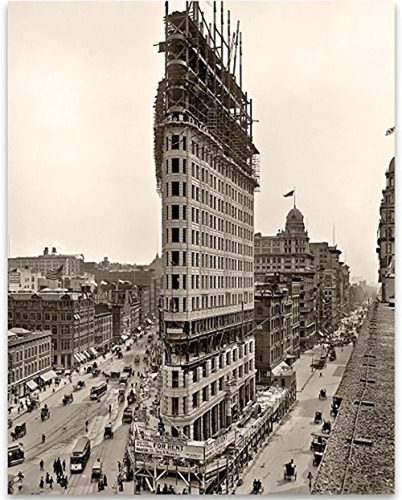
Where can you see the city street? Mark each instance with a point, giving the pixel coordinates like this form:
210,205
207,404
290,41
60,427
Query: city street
67,423
293,436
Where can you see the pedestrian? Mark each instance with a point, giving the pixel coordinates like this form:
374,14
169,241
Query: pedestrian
104,479
86,426
20,476
118,466
64,465
41,464
47,478
43,439
55,466
310,479
51,482
158,490
320,374
65,482
41,483
165,489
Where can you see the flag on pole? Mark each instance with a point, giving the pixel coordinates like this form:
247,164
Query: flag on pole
390,131
54,274
291,193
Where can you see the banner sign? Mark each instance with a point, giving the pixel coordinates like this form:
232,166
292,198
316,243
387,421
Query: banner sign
174,330
169,449
218,445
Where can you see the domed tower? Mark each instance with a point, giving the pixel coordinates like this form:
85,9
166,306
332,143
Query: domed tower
295,222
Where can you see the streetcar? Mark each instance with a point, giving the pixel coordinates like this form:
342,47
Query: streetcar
80,455
15,454
100,390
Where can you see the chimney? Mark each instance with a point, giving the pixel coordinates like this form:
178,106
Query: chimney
46,251
54,251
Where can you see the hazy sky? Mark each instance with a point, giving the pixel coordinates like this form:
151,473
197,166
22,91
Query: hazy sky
81,88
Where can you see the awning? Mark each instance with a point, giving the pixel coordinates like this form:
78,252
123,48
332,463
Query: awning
124,337
278,369
86,354
32,385
94,351
48,375
290,356
77,316
77,357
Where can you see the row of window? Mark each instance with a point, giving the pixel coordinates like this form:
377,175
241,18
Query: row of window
207,261
179,235
179,304
49,316
176,188
177,142
179,281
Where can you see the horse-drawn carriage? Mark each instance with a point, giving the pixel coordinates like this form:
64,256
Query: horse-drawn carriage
95,372
322,394
108,433
96,473
318,417
19,431
318,443
290,471
44,413
79,385
336,403
317,458
67,398
127,415
33,403
122,394
131,398
326,427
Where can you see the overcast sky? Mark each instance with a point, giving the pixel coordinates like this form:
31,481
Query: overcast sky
81,88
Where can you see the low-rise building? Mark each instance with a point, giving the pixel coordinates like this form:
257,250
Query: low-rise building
23,279
71,264
29,361
69,317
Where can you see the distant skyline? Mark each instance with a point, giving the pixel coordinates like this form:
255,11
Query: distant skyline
82,79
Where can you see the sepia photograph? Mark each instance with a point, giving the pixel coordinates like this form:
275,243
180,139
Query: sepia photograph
201,247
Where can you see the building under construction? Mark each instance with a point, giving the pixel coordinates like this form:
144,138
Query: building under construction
207,172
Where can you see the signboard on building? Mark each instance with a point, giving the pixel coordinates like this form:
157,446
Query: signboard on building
219,445
169,449
174,330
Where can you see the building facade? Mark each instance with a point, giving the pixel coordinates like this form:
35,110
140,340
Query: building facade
23,279
103,326
206,175
29,357
386,237
68,316
49,261
289,254
277,318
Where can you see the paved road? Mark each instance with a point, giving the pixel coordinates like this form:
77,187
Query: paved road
67,424
292,437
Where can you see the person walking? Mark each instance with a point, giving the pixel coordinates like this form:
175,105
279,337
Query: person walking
20,476
51,482
55,466
47,478
41,464
41,483
64,465
104,479
43,439
310,479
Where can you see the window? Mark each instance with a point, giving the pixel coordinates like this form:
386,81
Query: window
175,406
175,211
205,394
175,141
195,400
175,258
175,379
175,189
175,165
175,235
175,281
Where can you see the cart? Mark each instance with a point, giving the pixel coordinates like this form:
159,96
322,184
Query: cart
108,433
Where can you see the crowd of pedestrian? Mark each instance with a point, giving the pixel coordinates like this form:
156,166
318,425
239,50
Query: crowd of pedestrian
59,469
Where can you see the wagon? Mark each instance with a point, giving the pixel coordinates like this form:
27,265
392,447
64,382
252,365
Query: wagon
96,471
68,398
290,471
44,413
317,458
318,417
19,431
326,427
322,394
108,433
318,444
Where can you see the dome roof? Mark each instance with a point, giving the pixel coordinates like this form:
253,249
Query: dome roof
295,214
295,221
